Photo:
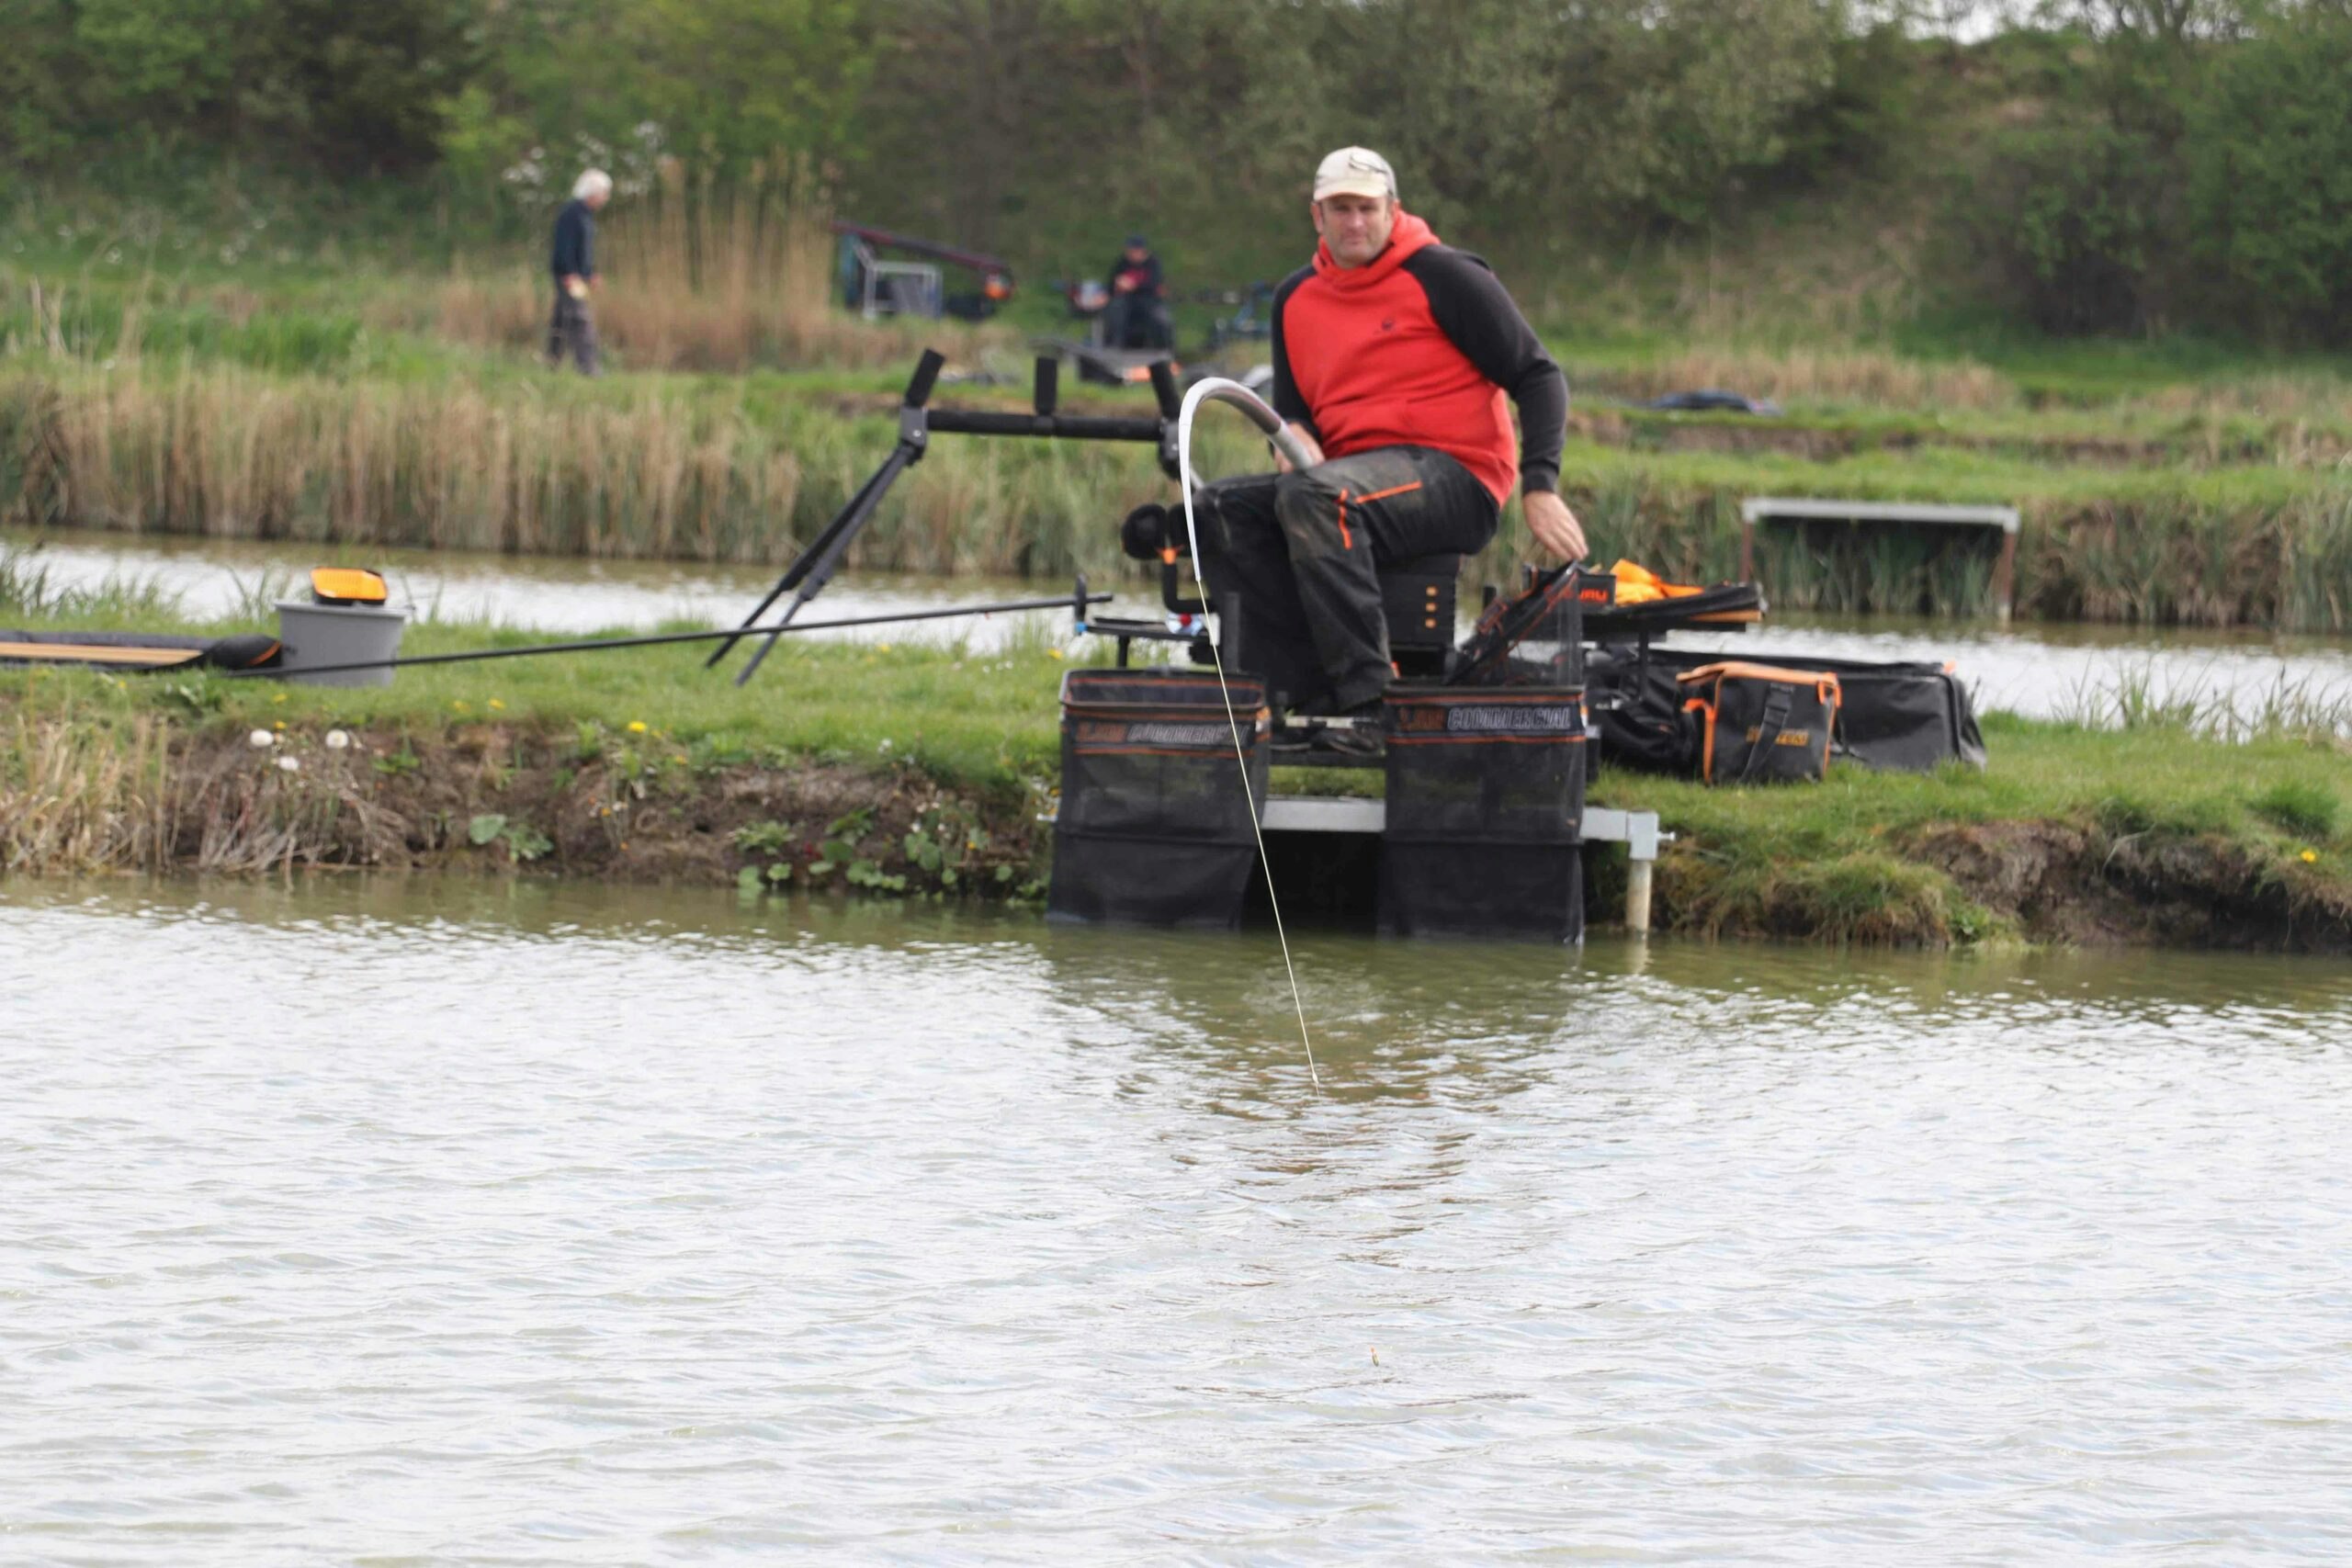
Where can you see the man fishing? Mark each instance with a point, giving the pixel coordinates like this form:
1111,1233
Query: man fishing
1393,355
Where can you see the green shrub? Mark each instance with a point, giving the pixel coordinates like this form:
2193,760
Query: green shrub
2067,221
2269,155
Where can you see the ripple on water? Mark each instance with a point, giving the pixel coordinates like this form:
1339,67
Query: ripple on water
454,1224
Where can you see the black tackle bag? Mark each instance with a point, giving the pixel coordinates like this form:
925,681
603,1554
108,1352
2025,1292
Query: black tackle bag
1486,807
1156,826
1760,723
1903,717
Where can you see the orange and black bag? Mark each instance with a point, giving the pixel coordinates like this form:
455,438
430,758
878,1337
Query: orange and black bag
1760,723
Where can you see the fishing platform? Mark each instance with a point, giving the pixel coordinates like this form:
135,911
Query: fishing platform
1166,814
1170,804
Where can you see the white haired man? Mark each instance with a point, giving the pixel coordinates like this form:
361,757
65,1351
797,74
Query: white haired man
573,261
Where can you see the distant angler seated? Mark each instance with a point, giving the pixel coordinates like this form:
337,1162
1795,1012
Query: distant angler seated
572,260
1138,314
1394,355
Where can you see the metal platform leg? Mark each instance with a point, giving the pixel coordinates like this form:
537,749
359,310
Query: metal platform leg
1637,831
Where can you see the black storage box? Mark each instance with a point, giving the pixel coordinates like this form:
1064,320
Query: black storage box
1155,826
1486,805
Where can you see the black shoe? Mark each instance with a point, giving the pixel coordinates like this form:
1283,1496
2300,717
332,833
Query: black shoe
1358,734
1320,734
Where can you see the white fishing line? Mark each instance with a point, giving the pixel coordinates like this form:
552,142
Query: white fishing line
1235,394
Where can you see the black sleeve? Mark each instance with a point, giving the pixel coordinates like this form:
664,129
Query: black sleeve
1286,401
1472,308
587,243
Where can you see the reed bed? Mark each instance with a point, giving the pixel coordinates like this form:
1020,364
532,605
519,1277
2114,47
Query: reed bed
637,472
2162,551
82,797
648,468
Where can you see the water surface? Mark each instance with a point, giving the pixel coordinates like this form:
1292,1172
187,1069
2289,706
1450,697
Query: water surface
478,1223
210,580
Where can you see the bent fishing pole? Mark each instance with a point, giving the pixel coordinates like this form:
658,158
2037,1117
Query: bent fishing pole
1233,394
814,567
1076,601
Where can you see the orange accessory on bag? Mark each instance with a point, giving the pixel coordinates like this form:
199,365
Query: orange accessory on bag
1640,585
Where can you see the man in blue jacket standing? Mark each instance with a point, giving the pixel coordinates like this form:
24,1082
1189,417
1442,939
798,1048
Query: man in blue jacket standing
573,261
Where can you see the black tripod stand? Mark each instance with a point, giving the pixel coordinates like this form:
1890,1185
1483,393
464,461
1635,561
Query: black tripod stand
814,567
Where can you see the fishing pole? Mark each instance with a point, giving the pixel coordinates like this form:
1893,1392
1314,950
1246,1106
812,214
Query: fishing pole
1235,395
1075,601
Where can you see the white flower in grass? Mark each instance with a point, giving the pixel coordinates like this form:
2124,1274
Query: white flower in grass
337,740
290,764
261,740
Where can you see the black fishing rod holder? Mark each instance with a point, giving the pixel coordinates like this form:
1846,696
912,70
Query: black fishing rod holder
814,567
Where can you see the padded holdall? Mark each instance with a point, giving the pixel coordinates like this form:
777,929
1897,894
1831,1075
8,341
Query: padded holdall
1759,723
1909,716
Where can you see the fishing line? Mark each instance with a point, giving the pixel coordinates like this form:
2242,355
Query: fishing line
1224,391
1076,600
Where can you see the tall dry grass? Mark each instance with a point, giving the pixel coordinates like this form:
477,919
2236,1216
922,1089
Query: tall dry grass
554,469
2150,560
694,275
77,798
85,792
232,455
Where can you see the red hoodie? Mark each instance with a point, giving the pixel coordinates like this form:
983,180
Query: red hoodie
1418,347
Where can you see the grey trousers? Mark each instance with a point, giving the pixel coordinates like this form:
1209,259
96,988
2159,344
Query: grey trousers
572,328
1304,548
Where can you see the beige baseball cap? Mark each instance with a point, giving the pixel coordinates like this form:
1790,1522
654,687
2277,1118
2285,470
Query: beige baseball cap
1354,171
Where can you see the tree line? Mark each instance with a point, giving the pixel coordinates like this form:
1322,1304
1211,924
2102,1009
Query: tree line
2091,166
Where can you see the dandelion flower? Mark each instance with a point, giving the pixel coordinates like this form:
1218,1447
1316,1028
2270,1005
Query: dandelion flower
337,740
2311,857
1053,653
279,698
260,738
280,725
637,726
290,764
496,704
458,705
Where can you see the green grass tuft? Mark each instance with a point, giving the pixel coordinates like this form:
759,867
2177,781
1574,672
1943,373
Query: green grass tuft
2304,807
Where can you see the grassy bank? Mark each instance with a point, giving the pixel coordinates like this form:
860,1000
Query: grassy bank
922,770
